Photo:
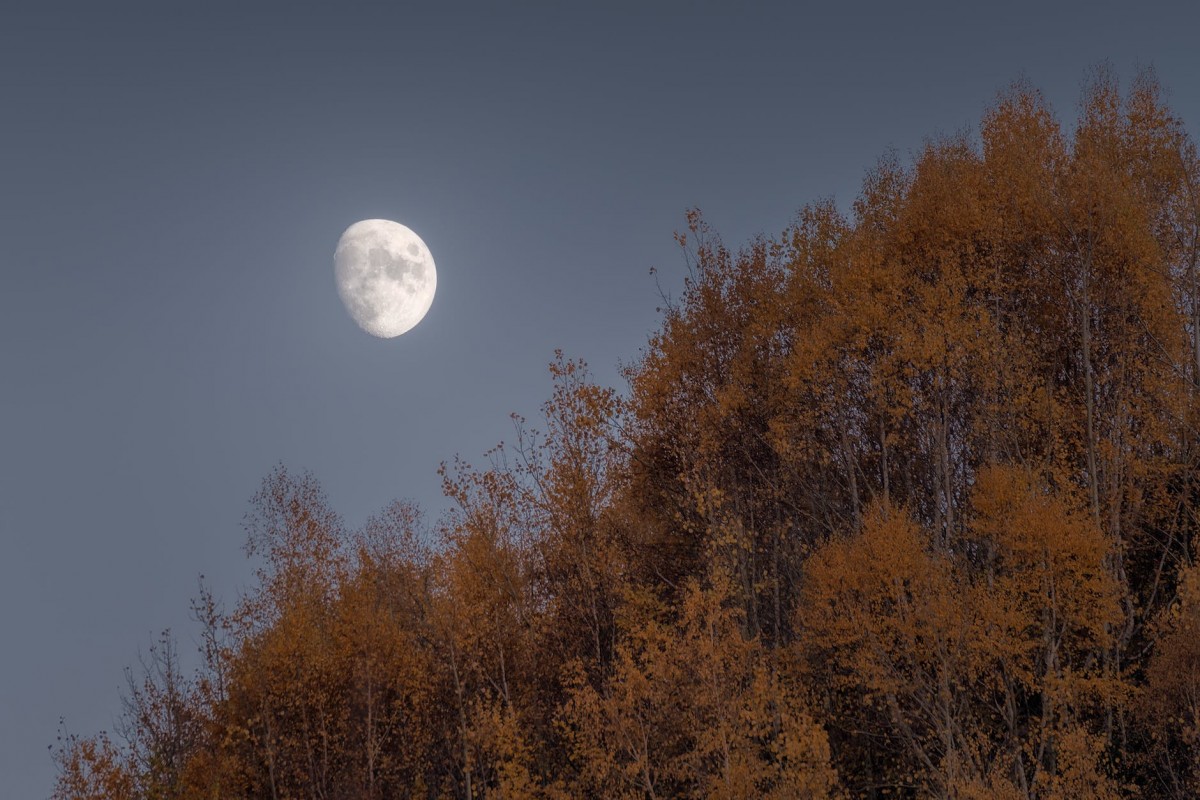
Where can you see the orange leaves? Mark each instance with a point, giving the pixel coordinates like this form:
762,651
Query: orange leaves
1172,700
693,708
880,618
1047,557
92,769
907,491
300,540
1020,609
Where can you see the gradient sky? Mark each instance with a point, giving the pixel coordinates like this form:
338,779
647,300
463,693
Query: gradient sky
174,178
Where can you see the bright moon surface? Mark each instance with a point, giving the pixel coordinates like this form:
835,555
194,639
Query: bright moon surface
385,276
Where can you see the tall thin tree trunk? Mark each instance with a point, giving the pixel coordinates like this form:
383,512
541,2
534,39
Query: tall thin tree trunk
944,454
851,475
462,724
1085,344
883,460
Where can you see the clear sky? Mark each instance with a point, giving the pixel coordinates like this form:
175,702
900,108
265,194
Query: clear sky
174,178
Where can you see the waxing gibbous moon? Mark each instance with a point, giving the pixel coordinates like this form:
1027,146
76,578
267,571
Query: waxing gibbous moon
385,276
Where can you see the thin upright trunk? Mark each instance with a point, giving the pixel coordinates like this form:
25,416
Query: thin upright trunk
851,476
947,471
269,748
1085,344
1195,293
883,468
775,589
946,701
462,724
646,777
372,745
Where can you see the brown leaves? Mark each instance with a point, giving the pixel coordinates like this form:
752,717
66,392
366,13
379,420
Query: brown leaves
1016,617
92,769
693,708
909,492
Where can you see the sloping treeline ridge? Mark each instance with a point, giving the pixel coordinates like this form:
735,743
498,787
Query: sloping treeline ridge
896,505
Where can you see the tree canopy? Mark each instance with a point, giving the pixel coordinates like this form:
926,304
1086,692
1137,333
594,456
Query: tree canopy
897,503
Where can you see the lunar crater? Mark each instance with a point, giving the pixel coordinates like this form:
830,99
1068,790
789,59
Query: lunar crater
385,276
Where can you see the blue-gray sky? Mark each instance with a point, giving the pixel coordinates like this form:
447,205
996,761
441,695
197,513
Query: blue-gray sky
174,178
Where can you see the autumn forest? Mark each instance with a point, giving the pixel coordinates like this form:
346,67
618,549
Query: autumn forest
901,502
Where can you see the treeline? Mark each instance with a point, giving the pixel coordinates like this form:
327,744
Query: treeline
900,504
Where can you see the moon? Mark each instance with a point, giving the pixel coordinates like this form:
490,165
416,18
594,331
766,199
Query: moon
385,276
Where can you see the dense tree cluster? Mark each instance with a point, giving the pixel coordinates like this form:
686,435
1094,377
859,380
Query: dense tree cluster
900,504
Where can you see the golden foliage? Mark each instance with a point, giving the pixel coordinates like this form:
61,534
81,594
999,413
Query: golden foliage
899,503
